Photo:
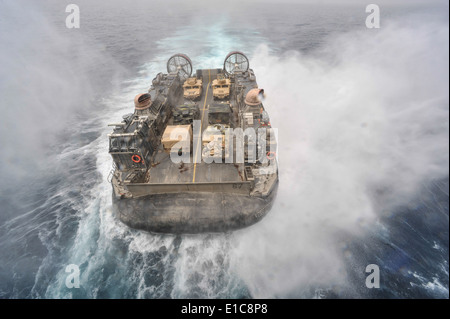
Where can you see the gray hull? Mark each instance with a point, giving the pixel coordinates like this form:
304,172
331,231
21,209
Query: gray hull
192,213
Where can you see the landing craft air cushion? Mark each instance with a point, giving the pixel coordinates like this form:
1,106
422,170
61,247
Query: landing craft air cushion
166,182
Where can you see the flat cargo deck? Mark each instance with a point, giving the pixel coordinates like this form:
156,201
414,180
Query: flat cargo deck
167,172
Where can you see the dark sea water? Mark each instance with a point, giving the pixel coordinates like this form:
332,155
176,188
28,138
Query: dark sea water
363,123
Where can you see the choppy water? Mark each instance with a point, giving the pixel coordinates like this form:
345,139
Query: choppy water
363,132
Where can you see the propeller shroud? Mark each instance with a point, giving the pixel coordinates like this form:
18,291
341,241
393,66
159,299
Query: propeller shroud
181,64
235,61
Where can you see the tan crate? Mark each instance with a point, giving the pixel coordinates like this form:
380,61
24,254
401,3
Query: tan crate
169,142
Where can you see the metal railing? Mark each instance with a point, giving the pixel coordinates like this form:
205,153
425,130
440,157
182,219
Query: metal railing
112,172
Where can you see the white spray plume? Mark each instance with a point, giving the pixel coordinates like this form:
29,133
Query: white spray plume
362,125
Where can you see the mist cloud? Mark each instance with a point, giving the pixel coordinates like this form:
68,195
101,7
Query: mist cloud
363,124
45,84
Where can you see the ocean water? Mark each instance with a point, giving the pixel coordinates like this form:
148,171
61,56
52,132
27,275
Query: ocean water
363,120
